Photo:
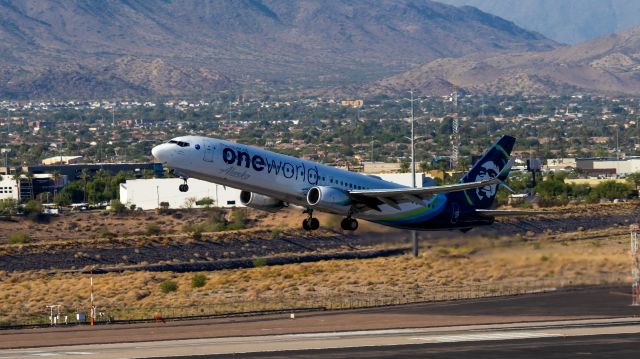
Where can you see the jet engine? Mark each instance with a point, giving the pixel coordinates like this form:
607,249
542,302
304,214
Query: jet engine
259,201
329,199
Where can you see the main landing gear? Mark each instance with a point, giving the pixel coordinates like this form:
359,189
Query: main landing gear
349,224
184,187
310,223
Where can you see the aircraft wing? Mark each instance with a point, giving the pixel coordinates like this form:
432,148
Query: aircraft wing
416,195
509,212
374,197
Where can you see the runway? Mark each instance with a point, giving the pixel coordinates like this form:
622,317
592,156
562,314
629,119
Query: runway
517,322
354,343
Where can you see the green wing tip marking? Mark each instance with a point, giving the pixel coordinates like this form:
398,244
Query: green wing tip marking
506,155
468,198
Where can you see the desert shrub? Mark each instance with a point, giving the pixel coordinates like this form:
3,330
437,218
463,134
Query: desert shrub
259,262
152,229
8,206
105,233
19,238
116,206
610,190
33,208
239,217
276,232
205,202
198,280
168,286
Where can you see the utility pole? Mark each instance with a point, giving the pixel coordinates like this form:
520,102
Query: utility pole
413,145
92,311
635,266
414,236
371,150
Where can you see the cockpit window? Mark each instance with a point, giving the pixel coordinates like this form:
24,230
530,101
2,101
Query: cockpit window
180,143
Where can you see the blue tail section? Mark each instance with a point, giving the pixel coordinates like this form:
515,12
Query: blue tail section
490,165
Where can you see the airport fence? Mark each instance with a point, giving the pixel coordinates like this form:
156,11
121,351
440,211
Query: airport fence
239,306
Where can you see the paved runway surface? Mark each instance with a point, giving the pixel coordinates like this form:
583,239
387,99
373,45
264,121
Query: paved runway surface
493,339
559,320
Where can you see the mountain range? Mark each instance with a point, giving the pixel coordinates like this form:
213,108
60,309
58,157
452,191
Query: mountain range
565,21
609,65
117,48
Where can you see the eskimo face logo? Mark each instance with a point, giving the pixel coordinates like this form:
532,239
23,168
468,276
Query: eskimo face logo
487,171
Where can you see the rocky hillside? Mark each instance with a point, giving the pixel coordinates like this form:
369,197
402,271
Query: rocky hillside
606,65
566,21
111,48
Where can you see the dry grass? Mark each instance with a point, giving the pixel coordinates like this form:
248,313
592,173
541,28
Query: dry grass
473,261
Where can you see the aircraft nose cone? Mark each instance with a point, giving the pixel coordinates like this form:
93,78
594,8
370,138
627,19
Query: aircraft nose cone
157,153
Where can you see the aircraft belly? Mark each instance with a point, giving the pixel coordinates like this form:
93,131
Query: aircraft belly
276,188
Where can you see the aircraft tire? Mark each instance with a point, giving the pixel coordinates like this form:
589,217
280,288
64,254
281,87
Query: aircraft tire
306,225
314,224
353,224
349,224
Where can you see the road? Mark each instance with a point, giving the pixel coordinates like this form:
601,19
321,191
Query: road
376,343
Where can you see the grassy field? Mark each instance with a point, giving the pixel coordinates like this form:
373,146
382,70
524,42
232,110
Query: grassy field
468,261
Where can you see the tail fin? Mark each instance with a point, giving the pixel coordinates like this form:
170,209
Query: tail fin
490,165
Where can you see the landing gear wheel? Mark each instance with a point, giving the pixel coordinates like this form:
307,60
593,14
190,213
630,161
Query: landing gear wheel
310,223
314,224
349,224
184,187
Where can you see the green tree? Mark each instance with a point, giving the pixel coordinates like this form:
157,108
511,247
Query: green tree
634,180
33,208
206,202
29,176
85,176
404,166
611,190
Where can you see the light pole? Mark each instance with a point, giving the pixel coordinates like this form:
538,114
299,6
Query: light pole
414,236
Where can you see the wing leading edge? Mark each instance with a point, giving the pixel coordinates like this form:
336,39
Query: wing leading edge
392,197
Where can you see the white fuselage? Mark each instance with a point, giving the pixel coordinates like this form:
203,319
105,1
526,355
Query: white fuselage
268,173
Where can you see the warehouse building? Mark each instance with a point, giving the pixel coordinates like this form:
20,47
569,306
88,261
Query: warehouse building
149,193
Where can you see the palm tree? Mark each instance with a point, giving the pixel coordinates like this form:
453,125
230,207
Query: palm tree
17,176
84,176
56,180
30,179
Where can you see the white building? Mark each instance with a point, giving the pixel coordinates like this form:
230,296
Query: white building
8,188
405,179
148,193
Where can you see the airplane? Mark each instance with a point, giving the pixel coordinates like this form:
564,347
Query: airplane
271,181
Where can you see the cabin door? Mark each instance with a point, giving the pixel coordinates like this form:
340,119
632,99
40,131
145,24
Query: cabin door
209,149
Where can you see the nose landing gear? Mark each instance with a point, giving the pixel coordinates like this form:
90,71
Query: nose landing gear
310,223
184,187
349,224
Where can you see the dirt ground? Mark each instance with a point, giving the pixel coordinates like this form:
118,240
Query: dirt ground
97,239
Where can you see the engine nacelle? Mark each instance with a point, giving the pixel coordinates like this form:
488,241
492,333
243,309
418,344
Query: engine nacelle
259,201
329,199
